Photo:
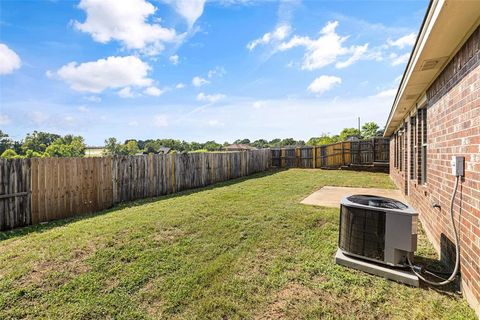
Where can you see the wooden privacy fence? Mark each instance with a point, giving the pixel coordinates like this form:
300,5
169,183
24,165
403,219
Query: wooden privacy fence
154,175
337,155
66,187
15,193
40,190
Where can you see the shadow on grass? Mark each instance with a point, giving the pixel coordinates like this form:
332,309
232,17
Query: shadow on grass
45,226
437,271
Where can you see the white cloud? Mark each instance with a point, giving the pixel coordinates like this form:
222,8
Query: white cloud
180,85
38,117
280,33
210,98
259,104
405,41
4,119
112,72
93,98
325,49
83,109
217,71
69,119
10,61
215,123
199,81
389,93
160,121
174,59
126,22
133,123
125,93
191,10
323,84
358,53
153,91
396,60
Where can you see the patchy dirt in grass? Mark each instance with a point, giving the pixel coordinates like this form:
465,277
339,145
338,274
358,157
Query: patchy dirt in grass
168,235
50,273
287,300
149,299
298,301
319,223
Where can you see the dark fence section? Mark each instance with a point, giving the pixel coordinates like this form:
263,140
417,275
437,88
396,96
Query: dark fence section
140,177
372,155
15,193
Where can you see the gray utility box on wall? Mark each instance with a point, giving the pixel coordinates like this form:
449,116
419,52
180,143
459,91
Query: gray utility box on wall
378,229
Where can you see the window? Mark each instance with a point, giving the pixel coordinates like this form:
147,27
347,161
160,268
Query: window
400,153
422,143
413,147
395,151
405,148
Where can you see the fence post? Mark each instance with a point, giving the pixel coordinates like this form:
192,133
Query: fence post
174,156
314,157
297,157
373,149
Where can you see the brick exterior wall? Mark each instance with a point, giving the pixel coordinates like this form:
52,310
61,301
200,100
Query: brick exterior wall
453,128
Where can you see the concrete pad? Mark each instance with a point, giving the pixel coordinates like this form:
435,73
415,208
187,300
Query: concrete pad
331,196
395,274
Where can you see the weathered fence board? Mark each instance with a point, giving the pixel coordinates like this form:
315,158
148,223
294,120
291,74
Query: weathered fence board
336,155
15,200
146,176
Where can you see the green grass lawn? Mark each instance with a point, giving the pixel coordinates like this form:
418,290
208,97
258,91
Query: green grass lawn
242,249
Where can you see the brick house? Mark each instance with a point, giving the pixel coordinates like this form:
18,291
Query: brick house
436,115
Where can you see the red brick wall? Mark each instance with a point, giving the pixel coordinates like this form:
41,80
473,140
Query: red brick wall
453,126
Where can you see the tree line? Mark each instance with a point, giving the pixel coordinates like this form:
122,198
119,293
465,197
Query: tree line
43,144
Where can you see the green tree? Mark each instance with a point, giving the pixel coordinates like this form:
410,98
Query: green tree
112,147
212,146
38,141
242,141
9,154
323,139
131,147
67,146
34,154
260,143
349,132
5,142
288,142
369,130
194,146
275,143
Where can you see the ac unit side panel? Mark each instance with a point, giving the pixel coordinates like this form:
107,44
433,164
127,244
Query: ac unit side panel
400,239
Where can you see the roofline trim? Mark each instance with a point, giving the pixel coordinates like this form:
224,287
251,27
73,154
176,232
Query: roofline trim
433,10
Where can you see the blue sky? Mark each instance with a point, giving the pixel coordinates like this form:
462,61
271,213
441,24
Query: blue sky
195,70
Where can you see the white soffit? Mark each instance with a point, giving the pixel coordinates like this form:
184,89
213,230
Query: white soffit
446,27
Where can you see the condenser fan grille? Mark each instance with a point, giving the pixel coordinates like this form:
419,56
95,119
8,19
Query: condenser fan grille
362,232
378,202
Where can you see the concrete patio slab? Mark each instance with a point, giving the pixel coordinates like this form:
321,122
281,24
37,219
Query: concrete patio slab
330,196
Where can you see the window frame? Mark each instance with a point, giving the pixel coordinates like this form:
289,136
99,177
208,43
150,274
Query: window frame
422,157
